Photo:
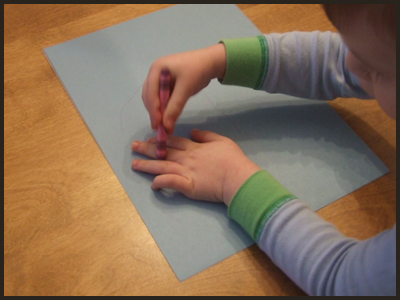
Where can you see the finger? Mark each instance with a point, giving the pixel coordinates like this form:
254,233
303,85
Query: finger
175,142
157,166
176,182
149,149
175,106
205,136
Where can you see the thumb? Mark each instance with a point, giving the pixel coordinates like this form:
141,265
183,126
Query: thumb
174,108
205,136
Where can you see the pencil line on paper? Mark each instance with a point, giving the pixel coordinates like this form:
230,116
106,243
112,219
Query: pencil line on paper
123,107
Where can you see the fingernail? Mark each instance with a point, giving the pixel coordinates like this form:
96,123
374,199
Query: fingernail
135,145
135,163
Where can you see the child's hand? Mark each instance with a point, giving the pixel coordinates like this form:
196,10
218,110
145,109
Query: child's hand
191,72
211,167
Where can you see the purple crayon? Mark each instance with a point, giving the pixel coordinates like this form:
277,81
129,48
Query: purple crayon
165,80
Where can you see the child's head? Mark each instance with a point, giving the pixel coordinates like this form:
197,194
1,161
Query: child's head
369,30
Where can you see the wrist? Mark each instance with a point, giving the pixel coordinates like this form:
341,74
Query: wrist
218,61
236,178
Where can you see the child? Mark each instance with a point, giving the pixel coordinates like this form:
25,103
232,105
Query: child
358,62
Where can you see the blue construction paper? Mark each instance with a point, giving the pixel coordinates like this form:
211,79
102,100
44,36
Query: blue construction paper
303,143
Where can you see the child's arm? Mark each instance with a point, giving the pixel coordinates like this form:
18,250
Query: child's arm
311,251
303,64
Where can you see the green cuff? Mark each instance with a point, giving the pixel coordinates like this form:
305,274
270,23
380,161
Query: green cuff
256,201
247,61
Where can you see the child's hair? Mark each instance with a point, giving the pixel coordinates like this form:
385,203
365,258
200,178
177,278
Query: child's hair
382,17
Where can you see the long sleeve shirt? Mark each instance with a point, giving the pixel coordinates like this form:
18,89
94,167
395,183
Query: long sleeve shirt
311,251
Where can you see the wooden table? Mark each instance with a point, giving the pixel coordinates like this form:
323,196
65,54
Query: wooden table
69,226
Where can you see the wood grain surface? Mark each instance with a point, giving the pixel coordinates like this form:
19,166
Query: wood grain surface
69,226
